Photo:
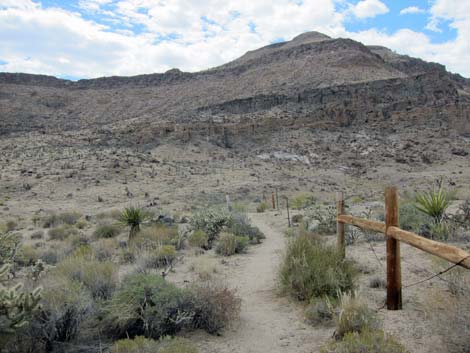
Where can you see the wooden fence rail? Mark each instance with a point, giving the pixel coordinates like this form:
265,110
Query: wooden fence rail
394,235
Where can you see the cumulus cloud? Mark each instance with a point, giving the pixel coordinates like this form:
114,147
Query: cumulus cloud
129,37
369,8
411,10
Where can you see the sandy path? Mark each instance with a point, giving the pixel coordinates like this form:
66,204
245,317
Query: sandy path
267,323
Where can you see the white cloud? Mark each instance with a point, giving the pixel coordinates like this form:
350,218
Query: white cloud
411,10
145,36
369,8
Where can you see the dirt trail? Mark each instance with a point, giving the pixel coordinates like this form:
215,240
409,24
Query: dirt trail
267,323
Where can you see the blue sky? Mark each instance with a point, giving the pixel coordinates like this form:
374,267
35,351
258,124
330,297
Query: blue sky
90,38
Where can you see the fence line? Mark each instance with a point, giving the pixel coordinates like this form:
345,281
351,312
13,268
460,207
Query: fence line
394,235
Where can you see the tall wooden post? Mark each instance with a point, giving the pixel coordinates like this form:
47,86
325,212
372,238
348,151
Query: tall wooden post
274,202
277,202
394,300
340,241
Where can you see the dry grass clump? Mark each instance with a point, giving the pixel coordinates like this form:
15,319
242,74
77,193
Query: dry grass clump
199,239
55,219
141,344
311,269
62,232
229,244
203,268
365,342
106,230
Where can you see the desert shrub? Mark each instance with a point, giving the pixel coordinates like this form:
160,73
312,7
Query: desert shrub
37,235
354,316
9,245
104,249
49,256
365,342
141,344
297,218
310,268
66,305
203,268
55,219
147,305
199,239
11,225
106,231
211,221
100,278
62,232
126,256
302,201
163,256
262,207
26,256
82,223
229,244
377,282
241,226
325,216
215,306
156,235
411,218
439,231
133,217
433,203
320,312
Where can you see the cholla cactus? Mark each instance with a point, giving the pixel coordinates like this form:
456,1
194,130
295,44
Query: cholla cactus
16,306
211,221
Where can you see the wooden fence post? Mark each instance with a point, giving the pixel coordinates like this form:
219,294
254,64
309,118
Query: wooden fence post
394,300
340,241
288,215
274,202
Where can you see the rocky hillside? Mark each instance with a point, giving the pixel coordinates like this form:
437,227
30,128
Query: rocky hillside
313,80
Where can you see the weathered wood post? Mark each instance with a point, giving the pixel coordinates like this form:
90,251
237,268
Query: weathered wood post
340,241
274,202
277,201
394,300
288,215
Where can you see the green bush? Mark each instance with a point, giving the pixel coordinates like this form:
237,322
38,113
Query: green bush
302,201
144,345
211,221
262,207
62,232
365,342
199,239
411,219
100,278
157,235
229,244
147,305
241,226
106,231
312,269
354,316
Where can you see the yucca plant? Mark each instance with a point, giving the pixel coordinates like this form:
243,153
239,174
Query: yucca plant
133,217
434,203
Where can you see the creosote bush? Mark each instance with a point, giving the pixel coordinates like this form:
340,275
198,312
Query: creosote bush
56,219
147,305
310,269
240,226
262,207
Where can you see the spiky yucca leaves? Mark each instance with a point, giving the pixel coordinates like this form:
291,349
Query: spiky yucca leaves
133,217
434,203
